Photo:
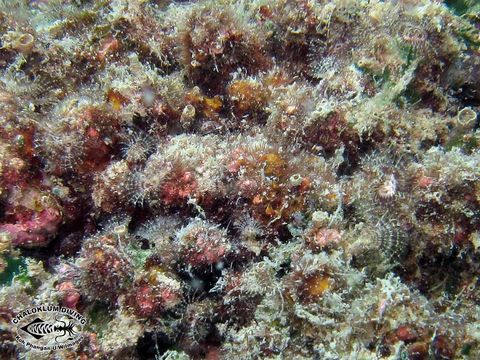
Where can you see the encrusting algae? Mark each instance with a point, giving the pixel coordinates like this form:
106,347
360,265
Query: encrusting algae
242,179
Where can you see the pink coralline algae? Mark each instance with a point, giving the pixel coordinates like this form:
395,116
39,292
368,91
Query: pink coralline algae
179,188
203,244
156,296
36,230
324,238
70,296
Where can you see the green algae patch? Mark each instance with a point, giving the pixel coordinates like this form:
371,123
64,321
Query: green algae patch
16,268
98,318
461,7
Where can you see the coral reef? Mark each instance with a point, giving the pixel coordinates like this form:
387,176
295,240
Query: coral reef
243,179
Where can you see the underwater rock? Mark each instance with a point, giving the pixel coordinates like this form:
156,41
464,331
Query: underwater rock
246,179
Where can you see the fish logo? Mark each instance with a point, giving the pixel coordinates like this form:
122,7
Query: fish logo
39,328
49,327
32,328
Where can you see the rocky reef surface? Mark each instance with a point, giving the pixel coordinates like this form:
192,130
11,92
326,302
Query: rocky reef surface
243,179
